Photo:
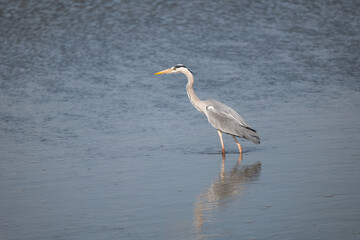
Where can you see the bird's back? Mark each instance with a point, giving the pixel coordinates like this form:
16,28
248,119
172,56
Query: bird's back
227,120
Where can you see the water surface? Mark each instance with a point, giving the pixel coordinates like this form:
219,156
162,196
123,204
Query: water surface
94,146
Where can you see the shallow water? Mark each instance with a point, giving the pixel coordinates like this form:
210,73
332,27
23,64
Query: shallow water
94,146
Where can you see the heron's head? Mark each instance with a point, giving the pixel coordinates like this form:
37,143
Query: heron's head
178,68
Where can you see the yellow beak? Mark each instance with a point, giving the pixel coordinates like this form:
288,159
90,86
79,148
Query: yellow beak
164,71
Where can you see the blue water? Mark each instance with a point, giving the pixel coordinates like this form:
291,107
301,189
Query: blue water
94,146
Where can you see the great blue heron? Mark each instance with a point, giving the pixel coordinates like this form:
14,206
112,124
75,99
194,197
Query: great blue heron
220,116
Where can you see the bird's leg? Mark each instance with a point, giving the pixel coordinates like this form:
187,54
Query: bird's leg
240,158
237,143
222,143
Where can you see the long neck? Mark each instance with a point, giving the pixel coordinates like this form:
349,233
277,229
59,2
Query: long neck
198,104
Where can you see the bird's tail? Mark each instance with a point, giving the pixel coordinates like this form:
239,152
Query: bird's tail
251,135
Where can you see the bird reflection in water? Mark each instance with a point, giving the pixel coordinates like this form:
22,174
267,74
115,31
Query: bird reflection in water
223,190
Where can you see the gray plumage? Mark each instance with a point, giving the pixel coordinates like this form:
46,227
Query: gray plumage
220,116
228,121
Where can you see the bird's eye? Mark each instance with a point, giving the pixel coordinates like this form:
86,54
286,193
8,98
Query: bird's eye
173,68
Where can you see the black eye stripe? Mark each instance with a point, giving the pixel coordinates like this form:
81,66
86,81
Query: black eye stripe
179,66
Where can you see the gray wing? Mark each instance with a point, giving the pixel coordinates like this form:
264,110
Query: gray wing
225,119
